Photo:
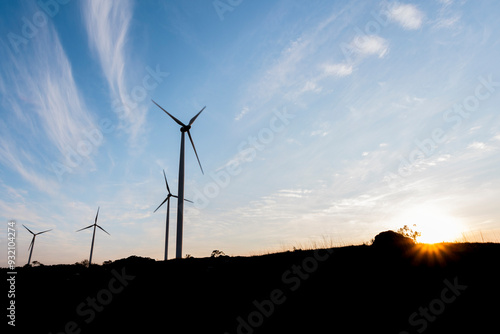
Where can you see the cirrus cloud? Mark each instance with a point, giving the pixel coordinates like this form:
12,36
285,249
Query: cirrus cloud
337,70
369,45
406,15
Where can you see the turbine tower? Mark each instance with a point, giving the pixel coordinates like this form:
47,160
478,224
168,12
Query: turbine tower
180,193
167,199
93,235
32,244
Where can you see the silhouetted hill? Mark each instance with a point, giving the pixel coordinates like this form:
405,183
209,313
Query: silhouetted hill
451,288
390,240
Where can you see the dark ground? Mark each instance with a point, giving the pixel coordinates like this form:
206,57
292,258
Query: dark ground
356,289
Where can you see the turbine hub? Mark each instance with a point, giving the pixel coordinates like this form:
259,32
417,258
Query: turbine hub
185,128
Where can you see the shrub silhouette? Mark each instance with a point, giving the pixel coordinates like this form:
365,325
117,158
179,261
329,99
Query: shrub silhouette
217,253
409,233
84,263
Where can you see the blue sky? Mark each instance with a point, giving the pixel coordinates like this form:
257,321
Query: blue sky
324,120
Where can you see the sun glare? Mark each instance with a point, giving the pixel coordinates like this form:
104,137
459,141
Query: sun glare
434,224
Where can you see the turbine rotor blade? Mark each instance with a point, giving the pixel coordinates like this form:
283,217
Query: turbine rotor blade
166,183
194,148
97,215
43,232
187,200
85,228
166,199
194,118
31,243
103,229
175,119
29,230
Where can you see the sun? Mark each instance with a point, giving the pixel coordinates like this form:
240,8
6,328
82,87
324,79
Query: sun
434,224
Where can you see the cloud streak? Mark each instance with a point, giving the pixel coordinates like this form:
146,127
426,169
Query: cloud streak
406,15
107,24
51,92
338,70
368,45
47,108
12,156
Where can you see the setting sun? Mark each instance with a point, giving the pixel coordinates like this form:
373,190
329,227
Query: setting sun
434,224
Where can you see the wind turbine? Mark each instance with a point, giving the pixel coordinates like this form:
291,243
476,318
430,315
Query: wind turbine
93,235
180,193
167,199
32,244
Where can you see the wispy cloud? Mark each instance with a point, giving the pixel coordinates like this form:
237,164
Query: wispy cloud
278,76
47,107
310,86
322,129
338,70
448,22
242,113
449,16
290,73
107,25
297,193
367,45
406,15
478,146
19,161
51,93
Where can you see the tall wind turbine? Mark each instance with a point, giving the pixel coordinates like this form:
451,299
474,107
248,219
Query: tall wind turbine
32,244
93,235
167,199
180,202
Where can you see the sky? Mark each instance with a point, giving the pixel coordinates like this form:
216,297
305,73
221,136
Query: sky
325,121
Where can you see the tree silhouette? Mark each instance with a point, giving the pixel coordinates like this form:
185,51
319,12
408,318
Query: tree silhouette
217,253
84,263
409,233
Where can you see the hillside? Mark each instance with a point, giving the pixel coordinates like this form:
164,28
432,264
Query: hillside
355,289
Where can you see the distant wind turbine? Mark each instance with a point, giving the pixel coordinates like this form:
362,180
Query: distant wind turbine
167,199
180,203
32,244
93,235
